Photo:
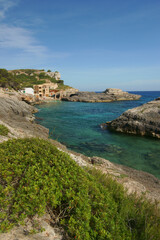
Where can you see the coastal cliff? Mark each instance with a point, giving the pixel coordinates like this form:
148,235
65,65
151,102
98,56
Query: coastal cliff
143,120
18,117
109,95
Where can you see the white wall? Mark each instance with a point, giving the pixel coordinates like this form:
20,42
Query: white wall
29,91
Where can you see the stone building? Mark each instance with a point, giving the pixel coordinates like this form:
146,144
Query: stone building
44,90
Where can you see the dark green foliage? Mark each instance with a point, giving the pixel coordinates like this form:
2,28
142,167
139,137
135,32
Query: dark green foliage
26,78
34,79
11,80
49,70
8,80
42,75
60,81
36,177
28,81
3,130
28,71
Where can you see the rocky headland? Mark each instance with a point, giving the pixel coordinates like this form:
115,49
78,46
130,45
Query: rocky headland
109,95
143,120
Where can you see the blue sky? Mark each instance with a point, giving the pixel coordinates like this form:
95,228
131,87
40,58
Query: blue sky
93,44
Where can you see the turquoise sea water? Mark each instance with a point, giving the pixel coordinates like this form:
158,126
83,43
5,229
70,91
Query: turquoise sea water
77,125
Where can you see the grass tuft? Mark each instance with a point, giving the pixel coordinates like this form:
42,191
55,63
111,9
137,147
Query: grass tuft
3,130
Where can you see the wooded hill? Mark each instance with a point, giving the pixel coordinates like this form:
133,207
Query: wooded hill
21,78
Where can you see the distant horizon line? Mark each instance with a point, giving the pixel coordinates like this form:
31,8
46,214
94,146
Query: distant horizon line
122,90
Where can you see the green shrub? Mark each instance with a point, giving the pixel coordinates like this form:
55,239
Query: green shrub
3,130
11,80
60,81
8,80
42,75
36,177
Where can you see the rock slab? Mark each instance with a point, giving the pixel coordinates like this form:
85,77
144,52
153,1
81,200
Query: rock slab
109,95
143,120
18,117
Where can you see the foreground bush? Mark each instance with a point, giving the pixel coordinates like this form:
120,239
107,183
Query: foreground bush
35,177
3,130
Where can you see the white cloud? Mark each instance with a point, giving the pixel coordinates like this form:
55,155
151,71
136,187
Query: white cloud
21,41
5,5
12,37
19,38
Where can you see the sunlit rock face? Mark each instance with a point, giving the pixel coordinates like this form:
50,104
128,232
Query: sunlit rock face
55,75
143,120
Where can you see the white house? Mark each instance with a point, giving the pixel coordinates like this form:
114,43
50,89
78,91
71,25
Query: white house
28,91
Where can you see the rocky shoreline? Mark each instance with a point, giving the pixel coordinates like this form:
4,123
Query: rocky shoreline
18,117
109,95
143,120
133,180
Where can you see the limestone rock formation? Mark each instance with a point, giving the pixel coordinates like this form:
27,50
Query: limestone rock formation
143,120
55,75
109,95
69,91
18,117
23,232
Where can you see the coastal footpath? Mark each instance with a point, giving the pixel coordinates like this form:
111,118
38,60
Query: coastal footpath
19,118
109,95
143,120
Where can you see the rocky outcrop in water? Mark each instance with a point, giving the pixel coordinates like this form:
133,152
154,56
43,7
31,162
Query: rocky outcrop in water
109,95
143,120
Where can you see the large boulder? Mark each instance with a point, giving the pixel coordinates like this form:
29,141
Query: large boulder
143,120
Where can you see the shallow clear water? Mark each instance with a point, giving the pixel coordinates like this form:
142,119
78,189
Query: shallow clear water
77,125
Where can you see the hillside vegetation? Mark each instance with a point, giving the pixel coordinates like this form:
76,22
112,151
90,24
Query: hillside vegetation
36,177
3,130
8,80
18,79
